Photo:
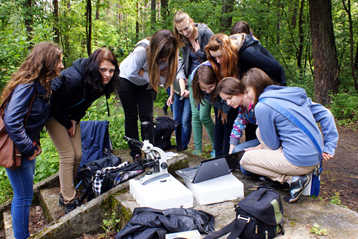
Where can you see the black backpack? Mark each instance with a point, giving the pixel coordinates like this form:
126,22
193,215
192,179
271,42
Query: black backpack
259,215
163,129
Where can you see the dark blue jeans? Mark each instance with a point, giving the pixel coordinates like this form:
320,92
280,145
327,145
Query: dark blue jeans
136,100
223,131
22,180
182,114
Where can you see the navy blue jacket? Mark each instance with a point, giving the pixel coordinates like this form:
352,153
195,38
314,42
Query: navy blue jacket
253,54
70,96
16,111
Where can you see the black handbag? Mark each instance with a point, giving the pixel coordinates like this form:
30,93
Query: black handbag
89,169
259,215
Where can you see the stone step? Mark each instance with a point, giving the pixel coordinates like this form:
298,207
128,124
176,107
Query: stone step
49,202
9,232
89,217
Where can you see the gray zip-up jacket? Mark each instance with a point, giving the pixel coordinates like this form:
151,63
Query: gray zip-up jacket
137,59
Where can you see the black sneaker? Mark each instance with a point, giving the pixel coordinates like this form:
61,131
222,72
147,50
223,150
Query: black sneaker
275,185
165,109
61,201
297,187
71,206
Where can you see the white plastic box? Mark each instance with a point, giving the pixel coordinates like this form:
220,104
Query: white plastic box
161,194
215,190
193,234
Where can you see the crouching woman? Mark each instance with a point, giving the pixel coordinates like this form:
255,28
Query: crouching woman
285,153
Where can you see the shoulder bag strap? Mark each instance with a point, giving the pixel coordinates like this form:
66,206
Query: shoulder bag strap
107,106
235,227
295,121
191,47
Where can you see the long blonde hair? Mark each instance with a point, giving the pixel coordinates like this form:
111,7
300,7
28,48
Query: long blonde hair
163,43
179,17
41,63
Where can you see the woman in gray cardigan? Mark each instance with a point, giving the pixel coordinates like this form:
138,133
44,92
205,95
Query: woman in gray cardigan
192,38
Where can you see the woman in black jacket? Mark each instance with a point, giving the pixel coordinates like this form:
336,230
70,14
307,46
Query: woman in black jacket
31,81
73,93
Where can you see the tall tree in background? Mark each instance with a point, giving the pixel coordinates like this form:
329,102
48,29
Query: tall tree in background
164,10
98,2
324,50
347,8
55,22
28,21
226,20
152,19
89,27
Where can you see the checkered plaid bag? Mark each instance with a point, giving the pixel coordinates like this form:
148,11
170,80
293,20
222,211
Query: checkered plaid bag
110,177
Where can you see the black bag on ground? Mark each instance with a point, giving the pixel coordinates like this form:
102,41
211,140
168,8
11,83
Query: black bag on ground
89,169
259,215
163,129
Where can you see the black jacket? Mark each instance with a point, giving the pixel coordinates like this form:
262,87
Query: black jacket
253,54
70,96
16,111
147,223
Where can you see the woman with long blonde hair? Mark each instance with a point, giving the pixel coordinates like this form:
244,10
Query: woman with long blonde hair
154,61
192,38
32,79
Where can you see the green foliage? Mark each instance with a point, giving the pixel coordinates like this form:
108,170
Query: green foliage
345,109
318,230
335,199
98,111
5,186
162,97
111,223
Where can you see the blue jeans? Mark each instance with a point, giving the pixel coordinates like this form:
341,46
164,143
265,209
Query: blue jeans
223,131
22,180
241,147
182,114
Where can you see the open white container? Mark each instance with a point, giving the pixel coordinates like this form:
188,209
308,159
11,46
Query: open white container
215,190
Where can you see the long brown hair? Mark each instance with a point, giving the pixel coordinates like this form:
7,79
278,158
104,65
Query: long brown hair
229,54
162,44
258,80
206,75
241,27
230,86
41,63
179,17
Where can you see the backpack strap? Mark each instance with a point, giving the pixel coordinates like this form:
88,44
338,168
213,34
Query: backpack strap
235,227
295,121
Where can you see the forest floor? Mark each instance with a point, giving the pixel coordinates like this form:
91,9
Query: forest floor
339,179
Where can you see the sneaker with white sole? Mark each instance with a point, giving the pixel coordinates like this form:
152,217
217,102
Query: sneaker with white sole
296,188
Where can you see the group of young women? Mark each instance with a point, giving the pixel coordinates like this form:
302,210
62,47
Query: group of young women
230,73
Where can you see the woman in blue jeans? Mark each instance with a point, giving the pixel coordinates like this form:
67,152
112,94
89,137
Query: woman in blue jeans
32,79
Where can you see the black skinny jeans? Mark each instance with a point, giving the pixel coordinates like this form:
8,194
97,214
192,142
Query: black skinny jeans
136,100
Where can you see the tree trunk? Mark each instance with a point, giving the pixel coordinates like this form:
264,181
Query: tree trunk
164,11
89,27
300,33
226,18
66,39
347,8
97,9
152,20
137,23
56,39
28,21
324,50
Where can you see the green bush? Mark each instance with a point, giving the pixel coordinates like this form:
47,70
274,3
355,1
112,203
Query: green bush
345,109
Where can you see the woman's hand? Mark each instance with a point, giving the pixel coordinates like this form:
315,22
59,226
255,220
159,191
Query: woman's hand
223,116
195,44
185,93
170,100
254,148
39,150
33,156
164,71
71,131
141,72
326,157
